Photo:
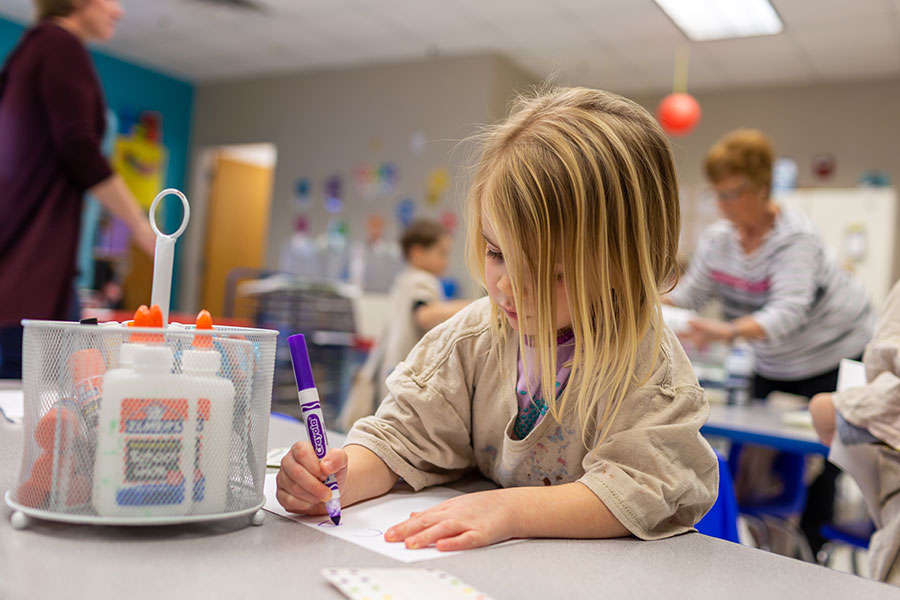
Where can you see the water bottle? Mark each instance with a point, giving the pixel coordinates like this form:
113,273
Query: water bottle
739,367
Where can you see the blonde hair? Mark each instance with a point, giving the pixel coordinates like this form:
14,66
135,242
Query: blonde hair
583,179
746,152
48,9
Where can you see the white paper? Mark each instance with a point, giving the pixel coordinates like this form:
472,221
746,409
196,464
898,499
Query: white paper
797,418
364,524
400,584
274,456
12,403
860,461
851,374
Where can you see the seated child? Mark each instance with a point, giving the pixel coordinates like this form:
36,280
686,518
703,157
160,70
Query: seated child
871,415
563,386
417,304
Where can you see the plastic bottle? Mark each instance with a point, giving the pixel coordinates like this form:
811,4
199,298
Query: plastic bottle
739,365
214,398
87,368
146,439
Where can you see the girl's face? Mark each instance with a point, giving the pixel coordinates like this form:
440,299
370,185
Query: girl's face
500,289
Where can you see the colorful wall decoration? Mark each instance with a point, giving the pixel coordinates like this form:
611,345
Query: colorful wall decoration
140,158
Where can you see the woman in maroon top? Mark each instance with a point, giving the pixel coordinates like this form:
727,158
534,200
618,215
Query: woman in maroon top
52,119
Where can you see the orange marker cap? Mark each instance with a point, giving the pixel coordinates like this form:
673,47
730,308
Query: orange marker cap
156,319
141,319
147,317
204,321
141,316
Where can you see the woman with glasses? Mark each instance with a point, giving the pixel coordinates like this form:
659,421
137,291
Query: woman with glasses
780,289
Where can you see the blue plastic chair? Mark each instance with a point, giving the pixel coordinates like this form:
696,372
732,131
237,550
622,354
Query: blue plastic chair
853,534
721,520
777,512
790,502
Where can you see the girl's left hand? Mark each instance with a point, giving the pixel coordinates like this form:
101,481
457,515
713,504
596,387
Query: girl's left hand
461,523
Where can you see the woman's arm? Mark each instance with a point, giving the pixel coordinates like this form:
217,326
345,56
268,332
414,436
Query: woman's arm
115,196
695,287
703,331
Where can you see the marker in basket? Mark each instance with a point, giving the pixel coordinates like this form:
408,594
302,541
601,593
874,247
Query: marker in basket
311,411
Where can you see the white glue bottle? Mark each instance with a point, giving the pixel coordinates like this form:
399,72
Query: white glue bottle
146,439
214,399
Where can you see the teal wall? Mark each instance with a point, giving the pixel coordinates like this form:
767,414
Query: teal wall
131,88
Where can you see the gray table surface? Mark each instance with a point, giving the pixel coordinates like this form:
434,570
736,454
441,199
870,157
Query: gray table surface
281,559
759,417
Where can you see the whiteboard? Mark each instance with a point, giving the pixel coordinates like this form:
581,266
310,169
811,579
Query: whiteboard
836,212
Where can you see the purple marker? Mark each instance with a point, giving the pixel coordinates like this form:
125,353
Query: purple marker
311,411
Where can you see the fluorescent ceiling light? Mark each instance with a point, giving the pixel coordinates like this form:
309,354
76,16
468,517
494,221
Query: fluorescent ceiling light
703,20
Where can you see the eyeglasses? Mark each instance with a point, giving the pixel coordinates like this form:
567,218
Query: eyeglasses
732,194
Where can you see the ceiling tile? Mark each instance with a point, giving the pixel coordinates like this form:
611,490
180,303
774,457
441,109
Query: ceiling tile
802,12
622,43
858,45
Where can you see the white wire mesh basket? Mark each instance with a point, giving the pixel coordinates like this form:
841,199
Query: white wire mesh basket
143,426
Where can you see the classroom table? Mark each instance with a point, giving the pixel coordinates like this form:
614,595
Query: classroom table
282,559
762,423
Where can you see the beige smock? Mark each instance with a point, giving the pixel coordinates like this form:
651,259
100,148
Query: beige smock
876,407
452,407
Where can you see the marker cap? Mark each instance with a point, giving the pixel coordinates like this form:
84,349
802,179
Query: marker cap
300,358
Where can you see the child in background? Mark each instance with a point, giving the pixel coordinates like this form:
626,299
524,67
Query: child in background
417,298
564,386
871,415
416,303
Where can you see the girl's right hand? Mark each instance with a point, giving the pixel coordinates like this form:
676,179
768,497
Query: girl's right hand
300,487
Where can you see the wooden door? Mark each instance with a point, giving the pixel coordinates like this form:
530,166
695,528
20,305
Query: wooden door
236,227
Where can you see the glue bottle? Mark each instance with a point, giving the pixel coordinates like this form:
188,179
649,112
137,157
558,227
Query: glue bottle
214,398
739,366
146,435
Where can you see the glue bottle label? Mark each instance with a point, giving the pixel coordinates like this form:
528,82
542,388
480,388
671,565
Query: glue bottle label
154,444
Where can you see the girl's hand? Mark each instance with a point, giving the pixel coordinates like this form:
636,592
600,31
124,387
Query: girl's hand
461,523
300,487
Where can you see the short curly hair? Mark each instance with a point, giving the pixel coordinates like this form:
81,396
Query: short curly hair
745,152
49,9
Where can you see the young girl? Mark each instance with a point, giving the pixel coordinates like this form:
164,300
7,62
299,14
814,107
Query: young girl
563,386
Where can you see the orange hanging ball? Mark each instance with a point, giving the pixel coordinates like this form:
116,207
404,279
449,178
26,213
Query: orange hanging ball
678,113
